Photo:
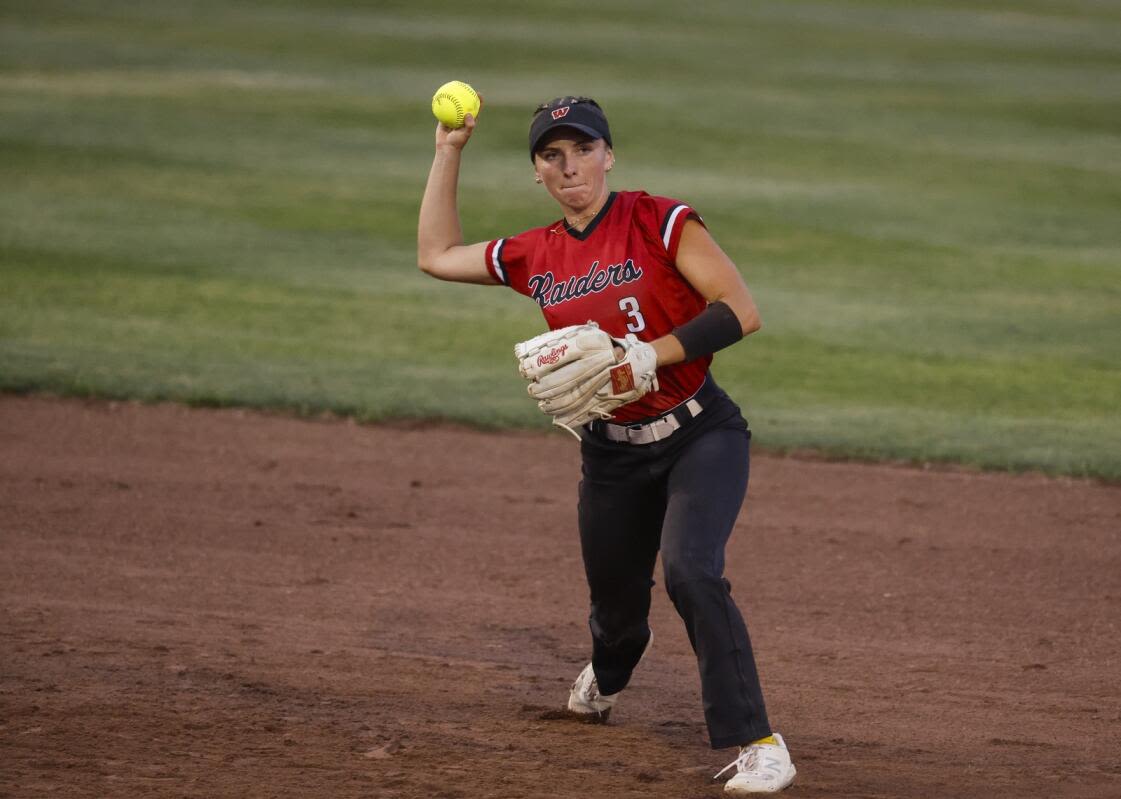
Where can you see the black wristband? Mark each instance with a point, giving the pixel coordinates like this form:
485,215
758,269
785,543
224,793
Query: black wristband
714,328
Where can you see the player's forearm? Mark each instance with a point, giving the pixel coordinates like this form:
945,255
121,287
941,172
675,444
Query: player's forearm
721,324
669,350
438,229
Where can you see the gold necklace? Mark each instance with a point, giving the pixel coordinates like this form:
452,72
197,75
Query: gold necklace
572,225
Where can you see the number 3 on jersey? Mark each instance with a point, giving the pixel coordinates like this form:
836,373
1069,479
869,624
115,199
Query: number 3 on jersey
630,305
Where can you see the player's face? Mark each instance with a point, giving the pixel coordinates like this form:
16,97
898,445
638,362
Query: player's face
573,167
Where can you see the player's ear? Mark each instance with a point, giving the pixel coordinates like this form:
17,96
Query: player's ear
610,159
537,178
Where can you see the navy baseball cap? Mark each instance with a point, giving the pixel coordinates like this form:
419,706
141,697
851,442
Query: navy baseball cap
581,113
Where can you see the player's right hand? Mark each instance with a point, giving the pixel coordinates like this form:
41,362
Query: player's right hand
455,138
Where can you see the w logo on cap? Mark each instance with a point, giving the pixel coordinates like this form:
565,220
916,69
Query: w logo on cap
561,112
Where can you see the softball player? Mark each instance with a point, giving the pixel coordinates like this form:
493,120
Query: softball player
668,471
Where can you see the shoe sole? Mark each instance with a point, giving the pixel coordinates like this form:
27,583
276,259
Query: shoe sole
587,718
762,791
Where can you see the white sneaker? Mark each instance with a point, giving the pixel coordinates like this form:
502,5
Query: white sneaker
760,768
585,698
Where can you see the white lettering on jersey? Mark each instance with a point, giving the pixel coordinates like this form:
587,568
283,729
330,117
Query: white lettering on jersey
545,291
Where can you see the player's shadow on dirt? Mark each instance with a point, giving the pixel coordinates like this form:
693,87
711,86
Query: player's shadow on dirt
675,732
563,714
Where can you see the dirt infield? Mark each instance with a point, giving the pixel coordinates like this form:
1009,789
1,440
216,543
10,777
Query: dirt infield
223,603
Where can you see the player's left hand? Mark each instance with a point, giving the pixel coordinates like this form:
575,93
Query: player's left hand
576,374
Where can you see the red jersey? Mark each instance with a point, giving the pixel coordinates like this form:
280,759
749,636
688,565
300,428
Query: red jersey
621,272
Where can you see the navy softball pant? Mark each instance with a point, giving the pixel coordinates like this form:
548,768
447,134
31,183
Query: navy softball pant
680,495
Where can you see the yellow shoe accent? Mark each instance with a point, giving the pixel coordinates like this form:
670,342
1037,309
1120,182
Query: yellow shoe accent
770,739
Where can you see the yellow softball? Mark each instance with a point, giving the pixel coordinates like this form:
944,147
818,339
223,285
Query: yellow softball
453,101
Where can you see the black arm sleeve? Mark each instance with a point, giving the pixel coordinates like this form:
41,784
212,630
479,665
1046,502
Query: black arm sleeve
714,328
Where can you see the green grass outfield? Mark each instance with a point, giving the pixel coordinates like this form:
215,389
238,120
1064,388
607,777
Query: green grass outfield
215,202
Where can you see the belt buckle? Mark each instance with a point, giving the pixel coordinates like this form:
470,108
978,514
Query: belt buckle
639,433
634,431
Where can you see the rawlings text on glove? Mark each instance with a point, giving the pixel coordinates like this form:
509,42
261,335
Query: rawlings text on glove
575,376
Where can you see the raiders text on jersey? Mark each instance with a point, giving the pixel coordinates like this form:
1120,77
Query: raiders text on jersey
545,291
